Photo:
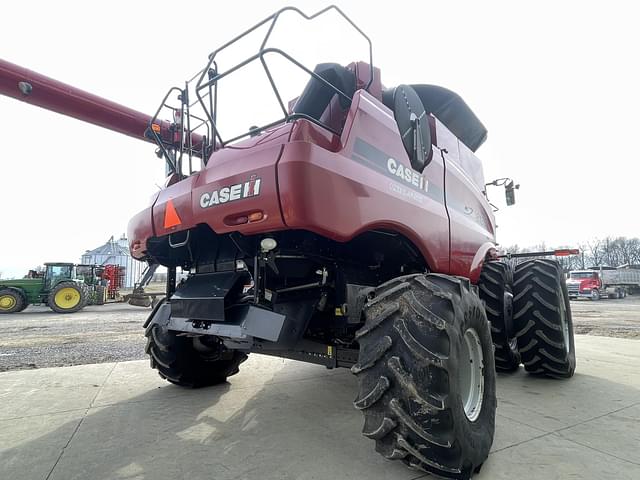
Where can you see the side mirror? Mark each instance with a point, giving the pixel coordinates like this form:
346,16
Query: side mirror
413,126
510,192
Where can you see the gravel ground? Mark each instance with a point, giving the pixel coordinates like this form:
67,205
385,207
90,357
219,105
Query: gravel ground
607,318
39,338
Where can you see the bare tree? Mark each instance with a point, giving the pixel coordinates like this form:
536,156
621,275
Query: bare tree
596,253
581,258
634,251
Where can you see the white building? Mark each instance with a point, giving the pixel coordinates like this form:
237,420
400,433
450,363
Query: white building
116,252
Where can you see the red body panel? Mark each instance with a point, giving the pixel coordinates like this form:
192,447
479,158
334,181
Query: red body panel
339,188
234,165
590,283
472,222
338,197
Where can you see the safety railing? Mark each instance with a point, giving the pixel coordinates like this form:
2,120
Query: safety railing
210,76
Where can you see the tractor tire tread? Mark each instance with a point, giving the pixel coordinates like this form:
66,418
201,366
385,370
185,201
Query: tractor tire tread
178,362
541,301
495,279
407,392
19,299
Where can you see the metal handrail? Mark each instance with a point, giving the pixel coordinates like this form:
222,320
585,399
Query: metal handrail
214,76
173,153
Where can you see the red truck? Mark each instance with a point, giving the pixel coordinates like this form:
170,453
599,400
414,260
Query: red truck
353,231
603,282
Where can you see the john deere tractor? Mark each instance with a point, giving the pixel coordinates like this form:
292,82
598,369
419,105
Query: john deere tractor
58,287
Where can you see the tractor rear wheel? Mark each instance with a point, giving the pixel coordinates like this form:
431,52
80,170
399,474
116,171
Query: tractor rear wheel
542,317
190,361
87,295
101,294
495,288
11,301
426,374
67,297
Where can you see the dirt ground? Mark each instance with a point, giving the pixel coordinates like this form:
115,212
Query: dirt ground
39,338
607,318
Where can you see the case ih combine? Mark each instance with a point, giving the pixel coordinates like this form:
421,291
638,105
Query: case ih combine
352,232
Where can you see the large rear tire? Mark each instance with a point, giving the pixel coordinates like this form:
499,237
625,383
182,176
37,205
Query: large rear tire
12,301
426,375
190,361
101,294
67,297
542,316
495,288
88,295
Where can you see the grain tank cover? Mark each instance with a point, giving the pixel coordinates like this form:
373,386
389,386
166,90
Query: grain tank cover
451,110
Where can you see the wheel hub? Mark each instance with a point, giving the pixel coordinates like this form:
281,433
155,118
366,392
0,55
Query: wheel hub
7,302
67,298
471,374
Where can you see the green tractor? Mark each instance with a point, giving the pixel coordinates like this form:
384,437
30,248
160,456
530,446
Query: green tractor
93,278
58,286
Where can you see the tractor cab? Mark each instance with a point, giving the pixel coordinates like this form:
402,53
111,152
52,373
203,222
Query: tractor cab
90,274
57,272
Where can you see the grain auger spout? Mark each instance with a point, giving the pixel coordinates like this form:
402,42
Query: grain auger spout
45,92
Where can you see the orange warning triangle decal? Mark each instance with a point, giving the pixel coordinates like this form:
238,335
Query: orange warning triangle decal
171,218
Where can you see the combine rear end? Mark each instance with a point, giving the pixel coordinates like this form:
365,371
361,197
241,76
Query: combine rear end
353,231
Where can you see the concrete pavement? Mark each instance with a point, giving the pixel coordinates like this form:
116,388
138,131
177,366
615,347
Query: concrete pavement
286,420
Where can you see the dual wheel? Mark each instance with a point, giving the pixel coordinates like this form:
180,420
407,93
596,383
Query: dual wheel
530,317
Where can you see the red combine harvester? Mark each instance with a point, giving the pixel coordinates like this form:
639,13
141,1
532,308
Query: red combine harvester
354,231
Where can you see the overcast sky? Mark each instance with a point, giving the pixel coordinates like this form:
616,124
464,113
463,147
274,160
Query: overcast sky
557,84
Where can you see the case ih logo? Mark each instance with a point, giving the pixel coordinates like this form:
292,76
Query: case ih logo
404,176
231,193
407,174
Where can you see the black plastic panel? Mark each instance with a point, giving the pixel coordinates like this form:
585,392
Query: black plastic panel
202,297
